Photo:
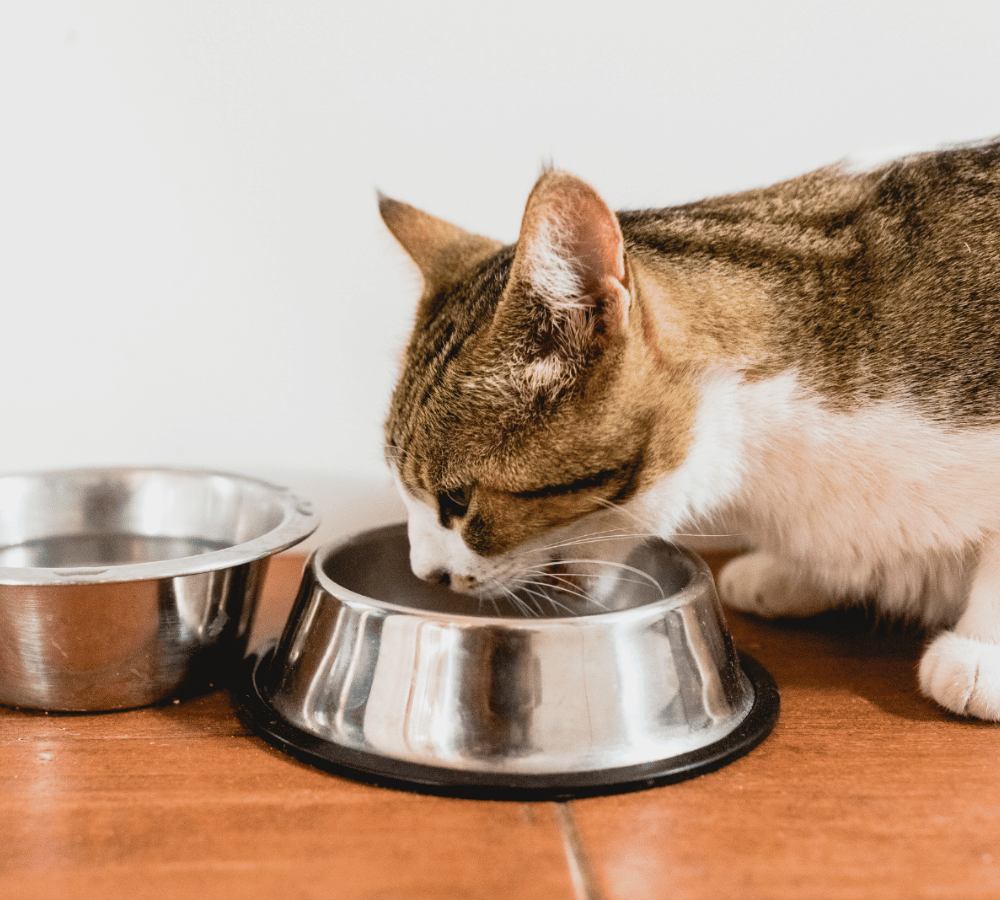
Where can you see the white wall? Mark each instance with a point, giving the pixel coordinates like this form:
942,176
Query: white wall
192,270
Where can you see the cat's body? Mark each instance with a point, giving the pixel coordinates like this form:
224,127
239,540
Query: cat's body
815,366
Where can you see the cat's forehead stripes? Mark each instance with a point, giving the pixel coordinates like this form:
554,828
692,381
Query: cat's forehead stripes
427,397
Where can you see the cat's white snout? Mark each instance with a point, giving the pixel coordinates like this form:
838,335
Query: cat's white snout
437,554
462,584
428,566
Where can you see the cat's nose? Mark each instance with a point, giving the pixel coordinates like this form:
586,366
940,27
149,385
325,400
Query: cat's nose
437,576
464,584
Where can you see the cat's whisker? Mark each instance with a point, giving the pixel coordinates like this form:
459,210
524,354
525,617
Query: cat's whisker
607,504
569,561
565,585
614,531
597,538
519,604
594,538
584,596
645,577
614,507
537,597
492,601
570,542
587,596
545,595
651,532
618,579
621,510
540,595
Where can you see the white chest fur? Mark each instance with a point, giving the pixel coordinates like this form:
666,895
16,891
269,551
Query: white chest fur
874,500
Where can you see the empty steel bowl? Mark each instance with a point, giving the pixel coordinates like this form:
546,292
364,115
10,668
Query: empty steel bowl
121,587
384,677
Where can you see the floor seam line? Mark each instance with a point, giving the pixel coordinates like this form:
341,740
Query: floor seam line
581,873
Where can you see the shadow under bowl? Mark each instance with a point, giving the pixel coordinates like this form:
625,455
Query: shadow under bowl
383,677
123,587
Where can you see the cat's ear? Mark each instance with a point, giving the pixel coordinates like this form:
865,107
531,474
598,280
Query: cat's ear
570,258
440,250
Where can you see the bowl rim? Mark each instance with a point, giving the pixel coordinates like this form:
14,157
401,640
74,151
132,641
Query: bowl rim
700,575
299,520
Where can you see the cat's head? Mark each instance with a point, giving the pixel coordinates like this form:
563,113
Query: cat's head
529,407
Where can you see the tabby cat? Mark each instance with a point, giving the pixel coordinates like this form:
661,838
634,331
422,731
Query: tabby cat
815,364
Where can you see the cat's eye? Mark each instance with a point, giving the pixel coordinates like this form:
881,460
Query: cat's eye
454,503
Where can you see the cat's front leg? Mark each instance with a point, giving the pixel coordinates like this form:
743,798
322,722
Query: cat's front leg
767,586
961,667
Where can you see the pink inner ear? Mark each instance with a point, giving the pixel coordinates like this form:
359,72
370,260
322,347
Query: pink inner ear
596,239
571,256
592,240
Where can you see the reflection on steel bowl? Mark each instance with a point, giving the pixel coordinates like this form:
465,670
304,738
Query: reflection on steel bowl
121,587
390,679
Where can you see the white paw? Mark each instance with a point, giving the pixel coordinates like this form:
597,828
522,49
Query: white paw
763,585
963,675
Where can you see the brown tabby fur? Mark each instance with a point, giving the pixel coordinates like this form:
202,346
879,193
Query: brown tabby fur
880,285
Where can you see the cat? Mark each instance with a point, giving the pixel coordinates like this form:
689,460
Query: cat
815,364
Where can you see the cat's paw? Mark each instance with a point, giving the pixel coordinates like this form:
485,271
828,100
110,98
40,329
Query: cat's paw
763,585
963,675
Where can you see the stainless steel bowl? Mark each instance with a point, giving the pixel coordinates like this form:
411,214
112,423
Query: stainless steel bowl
121,587
382,676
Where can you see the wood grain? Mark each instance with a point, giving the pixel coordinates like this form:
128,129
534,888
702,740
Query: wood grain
864,789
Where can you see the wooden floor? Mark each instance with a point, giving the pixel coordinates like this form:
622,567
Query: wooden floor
863,790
